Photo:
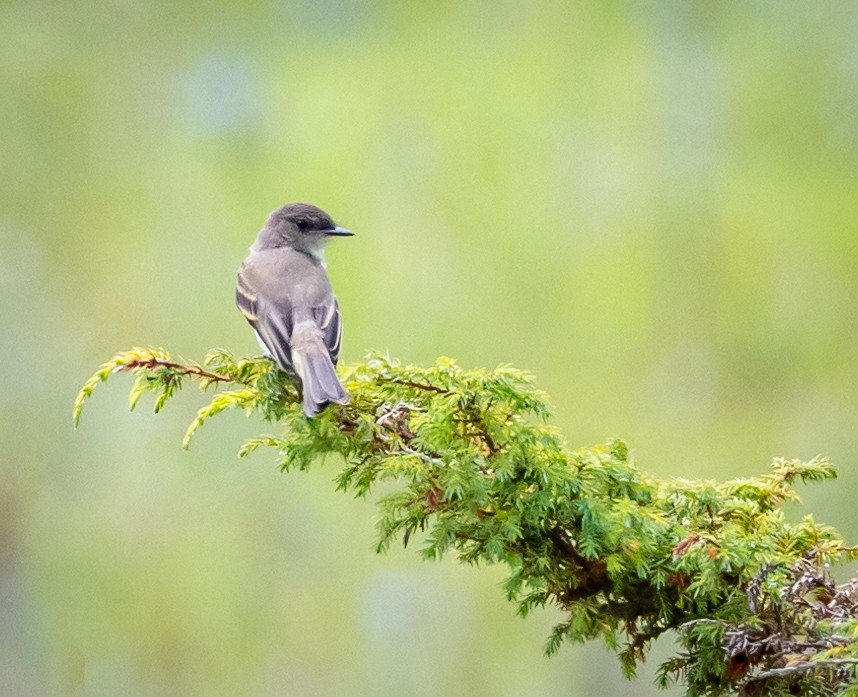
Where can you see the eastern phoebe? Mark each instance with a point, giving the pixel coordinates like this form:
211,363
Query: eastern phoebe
284,292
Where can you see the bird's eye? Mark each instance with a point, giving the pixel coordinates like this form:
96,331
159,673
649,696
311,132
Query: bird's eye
302,224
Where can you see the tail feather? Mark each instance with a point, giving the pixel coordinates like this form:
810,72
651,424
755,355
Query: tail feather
320,384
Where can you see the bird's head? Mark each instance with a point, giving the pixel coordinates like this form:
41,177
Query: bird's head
301,226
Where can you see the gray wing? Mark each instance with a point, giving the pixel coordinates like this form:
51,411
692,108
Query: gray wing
273,327
329,321
246,296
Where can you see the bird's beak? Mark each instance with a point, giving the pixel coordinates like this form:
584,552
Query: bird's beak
339,232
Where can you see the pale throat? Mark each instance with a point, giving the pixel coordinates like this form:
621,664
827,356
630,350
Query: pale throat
318,253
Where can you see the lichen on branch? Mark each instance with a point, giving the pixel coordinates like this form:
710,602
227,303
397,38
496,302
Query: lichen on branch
626,556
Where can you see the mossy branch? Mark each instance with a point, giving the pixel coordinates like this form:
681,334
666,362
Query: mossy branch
624,555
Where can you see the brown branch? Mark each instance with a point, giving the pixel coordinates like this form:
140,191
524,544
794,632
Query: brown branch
419,386
639,639
594,572
192,371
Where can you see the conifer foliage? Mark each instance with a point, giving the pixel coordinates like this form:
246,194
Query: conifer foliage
626,556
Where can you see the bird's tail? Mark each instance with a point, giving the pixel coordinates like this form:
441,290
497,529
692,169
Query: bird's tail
319,381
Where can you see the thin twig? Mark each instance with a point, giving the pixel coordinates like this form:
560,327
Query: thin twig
421,386
802,667
397,414
423,456
193,371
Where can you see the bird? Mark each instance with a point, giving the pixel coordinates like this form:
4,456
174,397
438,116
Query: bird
284,292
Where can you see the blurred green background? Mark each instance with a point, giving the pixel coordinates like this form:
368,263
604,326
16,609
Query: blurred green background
652,206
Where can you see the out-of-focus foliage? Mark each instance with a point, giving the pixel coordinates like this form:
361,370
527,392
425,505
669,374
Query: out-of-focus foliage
626,557
651,206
